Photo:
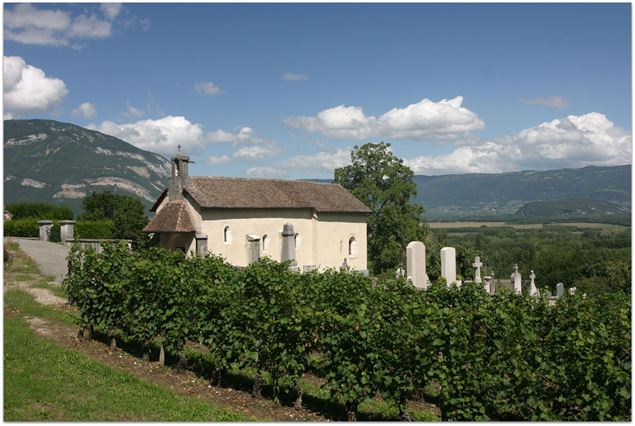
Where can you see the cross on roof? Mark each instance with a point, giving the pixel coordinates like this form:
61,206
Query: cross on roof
178,147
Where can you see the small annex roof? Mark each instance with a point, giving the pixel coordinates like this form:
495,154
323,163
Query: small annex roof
174,217
243,193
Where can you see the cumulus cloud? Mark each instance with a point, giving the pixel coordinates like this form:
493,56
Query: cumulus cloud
161,135
207,88
215,160
256,152
290,76
266,172
573,141
550,101
85,110
244,136
424,120
110,10
27,89
324,161
27,24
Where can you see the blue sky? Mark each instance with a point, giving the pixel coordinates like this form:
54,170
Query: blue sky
286,90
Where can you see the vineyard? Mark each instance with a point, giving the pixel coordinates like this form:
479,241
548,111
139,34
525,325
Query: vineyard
501,357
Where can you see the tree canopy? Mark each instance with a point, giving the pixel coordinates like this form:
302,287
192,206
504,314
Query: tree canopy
386,185
127,213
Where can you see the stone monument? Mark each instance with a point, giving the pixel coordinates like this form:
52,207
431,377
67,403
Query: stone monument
416,264
448,264
517,280
477,273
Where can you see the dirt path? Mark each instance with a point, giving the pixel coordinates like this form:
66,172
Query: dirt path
50,258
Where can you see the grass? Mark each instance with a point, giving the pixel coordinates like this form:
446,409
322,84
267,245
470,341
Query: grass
45,382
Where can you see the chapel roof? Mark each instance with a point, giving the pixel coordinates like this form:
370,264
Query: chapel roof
174,217
244,193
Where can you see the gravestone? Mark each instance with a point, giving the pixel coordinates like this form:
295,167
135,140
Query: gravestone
253,244
345,267
533,291
477,273
400,273
201,245
416,264
572,290
517,280
448,264
487,280
559,290
45,229
67,230
288,245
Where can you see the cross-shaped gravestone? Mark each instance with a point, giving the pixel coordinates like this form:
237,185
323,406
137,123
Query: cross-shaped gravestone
178,147
477,274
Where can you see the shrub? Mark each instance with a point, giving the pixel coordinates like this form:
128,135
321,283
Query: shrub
27,227
95,229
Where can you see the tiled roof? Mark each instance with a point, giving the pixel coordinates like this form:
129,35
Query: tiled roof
224,192
174,217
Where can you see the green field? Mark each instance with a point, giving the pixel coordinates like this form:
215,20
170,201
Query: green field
453,225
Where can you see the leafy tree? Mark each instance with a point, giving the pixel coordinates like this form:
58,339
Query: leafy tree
386,185
127,214
39,210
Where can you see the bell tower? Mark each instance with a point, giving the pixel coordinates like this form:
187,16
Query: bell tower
180,175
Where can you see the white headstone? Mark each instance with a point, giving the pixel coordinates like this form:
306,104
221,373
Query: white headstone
400,273
572,290
416,264
533,291
517,280
448,264
477,273
559,290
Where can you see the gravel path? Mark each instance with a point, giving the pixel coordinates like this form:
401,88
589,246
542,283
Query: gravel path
49,257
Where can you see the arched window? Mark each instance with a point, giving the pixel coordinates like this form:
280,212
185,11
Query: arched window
265,242
227,235
297,241
352,247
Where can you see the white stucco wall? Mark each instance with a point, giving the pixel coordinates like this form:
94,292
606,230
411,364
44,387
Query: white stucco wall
323,238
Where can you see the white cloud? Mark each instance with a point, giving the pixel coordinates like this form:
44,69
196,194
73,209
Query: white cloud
550,101
110,10
324,161
207,88
266,172
423,120
290,76
27,88
214,160
132,112
256,152
161,135
85,110
244,136
573,141
27,24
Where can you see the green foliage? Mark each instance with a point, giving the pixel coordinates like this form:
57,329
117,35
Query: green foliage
384,184
39,210
98,229
126,213
27,227
501,357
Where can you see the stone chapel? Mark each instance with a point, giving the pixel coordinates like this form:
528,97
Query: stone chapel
317,225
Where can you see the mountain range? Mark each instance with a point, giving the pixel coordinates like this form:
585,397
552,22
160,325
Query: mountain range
46,160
